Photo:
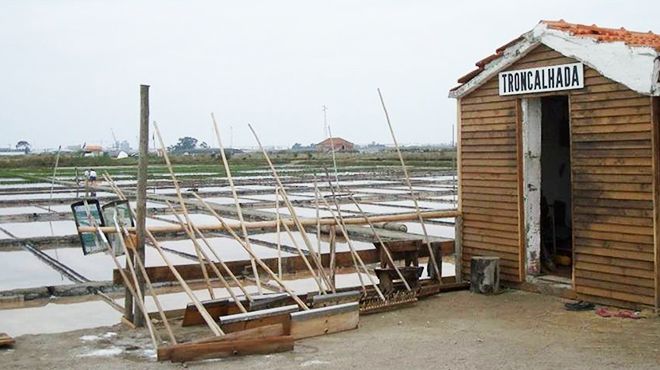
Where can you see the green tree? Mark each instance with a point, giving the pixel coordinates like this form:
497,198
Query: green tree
23,145
185,144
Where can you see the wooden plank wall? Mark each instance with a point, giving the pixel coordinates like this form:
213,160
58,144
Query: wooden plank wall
489,179
612,184
612,154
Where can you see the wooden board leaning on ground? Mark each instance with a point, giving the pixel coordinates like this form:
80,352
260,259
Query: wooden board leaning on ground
614,175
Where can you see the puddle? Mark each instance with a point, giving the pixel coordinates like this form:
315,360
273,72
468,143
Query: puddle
22,269
57,318
228,249
227,201
5,211
271,197
44,228
422,204
433,230
325,246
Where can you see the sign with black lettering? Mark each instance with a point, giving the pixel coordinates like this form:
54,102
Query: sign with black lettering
542,79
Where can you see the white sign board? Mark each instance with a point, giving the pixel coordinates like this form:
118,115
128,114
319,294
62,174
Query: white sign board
542,79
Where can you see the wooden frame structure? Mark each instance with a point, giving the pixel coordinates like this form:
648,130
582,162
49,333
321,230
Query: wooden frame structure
615,169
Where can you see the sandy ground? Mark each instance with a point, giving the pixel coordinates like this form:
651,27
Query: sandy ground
460,330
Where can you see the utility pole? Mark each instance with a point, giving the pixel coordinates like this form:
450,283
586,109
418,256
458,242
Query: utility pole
141,214
325,121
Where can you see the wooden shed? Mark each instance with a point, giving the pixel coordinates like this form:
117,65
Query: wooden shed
558,161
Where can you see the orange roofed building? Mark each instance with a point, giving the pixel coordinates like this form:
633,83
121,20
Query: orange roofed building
339,144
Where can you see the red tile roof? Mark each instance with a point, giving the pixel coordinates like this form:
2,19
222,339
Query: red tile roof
601,34
631,38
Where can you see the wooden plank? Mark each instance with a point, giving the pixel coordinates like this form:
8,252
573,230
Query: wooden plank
164,353
611,120
613,153
625,288
6,340
325,320
602,276
604,97
607,218
611,236
616,253
606,293
614,261
240,347
623,229
636,101
616,270
611,244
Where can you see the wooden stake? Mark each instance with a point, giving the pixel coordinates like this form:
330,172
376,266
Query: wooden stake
225,163
434,263
279,241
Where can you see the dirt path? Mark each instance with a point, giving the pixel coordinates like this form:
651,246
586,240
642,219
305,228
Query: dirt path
459,330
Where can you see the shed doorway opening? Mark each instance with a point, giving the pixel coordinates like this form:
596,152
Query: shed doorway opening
556,216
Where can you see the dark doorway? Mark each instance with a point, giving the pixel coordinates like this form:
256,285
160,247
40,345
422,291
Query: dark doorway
556,215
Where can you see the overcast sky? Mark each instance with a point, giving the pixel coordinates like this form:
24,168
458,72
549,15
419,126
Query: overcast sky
71,69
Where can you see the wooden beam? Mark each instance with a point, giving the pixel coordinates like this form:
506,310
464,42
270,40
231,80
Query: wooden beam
273,223
196,351
289,264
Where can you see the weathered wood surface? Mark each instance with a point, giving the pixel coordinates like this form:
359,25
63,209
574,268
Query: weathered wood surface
614,153
325,320
225,347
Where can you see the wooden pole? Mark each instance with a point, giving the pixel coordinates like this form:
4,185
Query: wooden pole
434,263
279,234
141,202
225,163
200,307
202,264
357,220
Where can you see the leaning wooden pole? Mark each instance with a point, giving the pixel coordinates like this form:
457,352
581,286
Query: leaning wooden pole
182,204
434,263
225,163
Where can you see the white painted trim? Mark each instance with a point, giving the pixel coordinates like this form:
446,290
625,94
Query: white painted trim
531,143
633,66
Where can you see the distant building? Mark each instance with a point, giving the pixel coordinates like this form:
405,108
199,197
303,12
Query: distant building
339,144
92,150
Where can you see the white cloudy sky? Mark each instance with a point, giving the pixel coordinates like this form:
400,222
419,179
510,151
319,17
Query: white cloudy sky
71,69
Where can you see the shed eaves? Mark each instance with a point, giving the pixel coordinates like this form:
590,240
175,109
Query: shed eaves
594,33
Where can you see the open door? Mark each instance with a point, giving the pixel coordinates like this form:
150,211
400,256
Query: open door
547,186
